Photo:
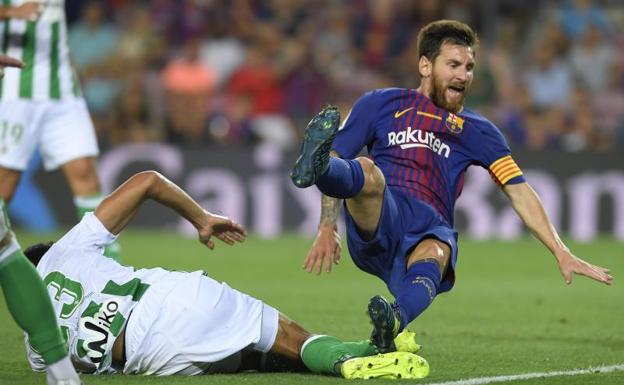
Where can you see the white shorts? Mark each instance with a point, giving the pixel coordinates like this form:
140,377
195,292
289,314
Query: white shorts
184,324
62,130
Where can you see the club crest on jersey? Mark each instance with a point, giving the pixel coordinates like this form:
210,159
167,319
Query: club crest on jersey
454,123
411,138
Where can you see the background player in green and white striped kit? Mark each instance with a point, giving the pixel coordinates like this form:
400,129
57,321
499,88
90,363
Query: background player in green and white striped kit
41,106
21,285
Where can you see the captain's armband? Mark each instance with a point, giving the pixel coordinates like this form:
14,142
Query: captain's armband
504,170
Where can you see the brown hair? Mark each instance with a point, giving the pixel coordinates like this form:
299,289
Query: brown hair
432,36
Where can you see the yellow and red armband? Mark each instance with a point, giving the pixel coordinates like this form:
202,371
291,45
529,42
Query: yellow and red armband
504,170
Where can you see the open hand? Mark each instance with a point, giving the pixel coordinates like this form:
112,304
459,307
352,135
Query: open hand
325,249
221,227
569,264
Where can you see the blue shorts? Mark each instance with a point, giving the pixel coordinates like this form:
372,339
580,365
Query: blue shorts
404,223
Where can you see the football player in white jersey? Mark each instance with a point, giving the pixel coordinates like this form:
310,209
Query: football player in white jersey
41,106
116,319
21,284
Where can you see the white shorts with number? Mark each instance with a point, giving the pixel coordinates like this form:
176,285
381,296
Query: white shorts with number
183,325
61,130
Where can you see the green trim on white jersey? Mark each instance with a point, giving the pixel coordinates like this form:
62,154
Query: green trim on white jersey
5,38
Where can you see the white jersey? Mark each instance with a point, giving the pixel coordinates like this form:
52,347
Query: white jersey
92,295
42,46
176,322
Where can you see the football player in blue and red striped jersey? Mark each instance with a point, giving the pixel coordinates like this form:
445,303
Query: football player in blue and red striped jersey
400,200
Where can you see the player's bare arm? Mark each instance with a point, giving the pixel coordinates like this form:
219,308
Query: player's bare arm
30,11
118,208
527,204
326,247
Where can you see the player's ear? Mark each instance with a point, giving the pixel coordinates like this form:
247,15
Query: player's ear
424,67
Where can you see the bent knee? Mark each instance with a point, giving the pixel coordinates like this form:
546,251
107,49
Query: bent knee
431,250
374,181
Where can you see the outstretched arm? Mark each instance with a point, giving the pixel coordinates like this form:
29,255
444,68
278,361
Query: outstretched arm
326,247
118,208
527,204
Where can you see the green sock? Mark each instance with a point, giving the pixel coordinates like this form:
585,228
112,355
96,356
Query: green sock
30,306
85,204
320,354
361,348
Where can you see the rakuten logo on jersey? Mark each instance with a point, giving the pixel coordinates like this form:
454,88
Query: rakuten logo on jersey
418,138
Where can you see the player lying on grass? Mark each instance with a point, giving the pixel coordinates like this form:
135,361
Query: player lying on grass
118,319
26,296
400,201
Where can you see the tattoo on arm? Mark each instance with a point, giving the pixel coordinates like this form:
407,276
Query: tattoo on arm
330,208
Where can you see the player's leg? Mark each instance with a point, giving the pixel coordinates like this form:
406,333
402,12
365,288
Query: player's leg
328,355
8,182
68,141
29,304
425,267
358,181
18,141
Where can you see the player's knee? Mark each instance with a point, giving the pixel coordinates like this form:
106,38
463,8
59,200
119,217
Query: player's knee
374,181
82,174
8,183
429,251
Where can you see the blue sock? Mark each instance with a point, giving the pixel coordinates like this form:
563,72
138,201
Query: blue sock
417,290
343,179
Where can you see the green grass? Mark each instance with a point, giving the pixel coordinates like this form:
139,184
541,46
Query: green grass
509,313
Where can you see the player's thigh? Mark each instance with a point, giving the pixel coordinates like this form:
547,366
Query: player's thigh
20,128
365,208
431,249
67,133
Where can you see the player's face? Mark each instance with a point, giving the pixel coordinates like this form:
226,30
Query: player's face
451,76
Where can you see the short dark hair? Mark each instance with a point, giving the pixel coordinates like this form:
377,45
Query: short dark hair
433,35
35,252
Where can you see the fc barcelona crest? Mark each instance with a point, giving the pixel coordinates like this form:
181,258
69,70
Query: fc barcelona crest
454,123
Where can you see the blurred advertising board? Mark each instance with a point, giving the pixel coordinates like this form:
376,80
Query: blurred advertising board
582,192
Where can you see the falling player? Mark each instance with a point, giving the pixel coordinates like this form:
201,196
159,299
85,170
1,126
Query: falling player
399,202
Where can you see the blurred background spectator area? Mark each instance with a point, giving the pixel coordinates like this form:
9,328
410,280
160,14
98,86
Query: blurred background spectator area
550,74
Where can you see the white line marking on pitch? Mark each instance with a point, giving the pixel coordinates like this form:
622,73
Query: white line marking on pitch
528,376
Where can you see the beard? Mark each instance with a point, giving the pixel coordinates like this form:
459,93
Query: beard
439,96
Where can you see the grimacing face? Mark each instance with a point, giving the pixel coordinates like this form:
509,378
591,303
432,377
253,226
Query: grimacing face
451,76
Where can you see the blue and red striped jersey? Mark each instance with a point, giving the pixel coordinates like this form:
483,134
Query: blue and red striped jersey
424,150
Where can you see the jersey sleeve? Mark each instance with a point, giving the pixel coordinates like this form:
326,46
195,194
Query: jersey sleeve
495,156
88,234
358,128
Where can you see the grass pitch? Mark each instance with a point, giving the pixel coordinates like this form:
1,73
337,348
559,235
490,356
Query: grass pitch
509,313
